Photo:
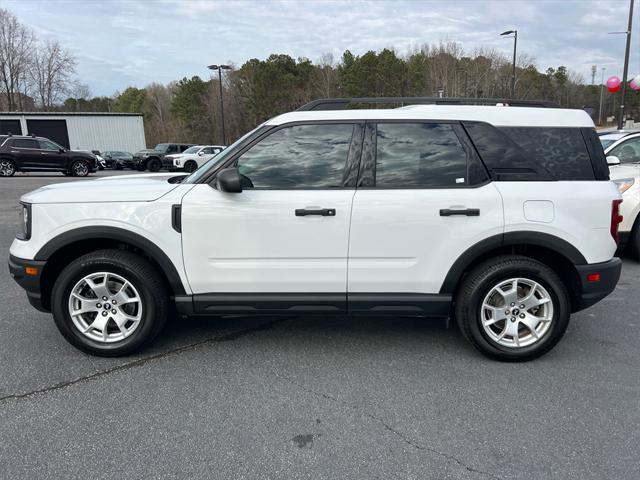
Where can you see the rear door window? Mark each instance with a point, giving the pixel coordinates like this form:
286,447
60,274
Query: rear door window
26,143
419,155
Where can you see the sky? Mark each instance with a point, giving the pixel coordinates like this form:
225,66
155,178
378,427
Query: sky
121,43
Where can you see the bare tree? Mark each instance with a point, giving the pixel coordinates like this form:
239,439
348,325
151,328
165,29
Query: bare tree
325,78
16,45
51,73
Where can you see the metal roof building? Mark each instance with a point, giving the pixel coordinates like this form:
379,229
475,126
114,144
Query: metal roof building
79,131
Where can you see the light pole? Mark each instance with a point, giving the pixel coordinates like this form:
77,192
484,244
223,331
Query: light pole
220,68
508,33
626,66
601,94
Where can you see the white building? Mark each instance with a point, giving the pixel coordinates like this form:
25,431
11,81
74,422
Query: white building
80,131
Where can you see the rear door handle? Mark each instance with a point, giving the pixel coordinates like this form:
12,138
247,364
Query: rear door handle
325,212
469,212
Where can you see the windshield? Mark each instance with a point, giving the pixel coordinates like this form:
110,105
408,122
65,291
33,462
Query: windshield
161,147
221,157
606,142
192,149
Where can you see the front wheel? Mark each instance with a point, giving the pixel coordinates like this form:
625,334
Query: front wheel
154,165
634,241
110,303
190,166
513,308
80,168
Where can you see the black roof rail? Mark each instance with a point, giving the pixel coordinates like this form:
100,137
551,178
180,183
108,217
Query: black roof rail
343,103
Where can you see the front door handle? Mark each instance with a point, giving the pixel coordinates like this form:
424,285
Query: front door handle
325,212
469,212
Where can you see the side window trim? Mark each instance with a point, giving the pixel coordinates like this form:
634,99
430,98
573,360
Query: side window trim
349,167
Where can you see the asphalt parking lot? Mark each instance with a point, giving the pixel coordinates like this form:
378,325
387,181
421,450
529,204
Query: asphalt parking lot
315,398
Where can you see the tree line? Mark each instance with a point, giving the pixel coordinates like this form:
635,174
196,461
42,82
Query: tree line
188,110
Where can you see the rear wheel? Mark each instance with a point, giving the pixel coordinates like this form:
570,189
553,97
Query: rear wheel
154,165
80,168
190,166
110,303
513,308
7,168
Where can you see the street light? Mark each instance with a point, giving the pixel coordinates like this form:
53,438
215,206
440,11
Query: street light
508,33
220,68
601,96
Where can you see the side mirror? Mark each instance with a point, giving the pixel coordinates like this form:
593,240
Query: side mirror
613,160
61,150
200,153
228,180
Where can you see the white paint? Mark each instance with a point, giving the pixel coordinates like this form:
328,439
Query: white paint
498,116
253,241
400,243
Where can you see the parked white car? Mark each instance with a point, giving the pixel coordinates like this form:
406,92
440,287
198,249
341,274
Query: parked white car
623,157
501,217
194,157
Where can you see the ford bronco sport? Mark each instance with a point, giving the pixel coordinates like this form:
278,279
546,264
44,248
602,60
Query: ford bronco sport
502,217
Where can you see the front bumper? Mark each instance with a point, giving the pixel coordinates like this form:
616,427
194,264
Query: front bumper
31,283
591,291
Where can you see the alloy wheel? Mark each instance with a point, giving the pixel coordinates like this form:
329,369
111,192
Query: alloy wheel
7,168
80,169
516,313
105,307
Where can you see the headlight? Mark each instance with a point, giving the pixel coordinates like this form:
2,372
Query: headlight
25,213
624,184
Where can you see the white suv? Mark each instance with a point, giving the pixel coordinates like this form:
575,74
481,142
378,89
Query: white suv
193,157
503,217
623,155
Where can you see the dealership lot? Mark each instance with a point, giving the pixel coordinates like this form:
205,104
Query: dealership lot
314,397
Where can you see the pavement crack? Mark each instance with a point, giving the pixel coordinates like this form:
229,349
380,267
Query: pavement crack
226,337
397,433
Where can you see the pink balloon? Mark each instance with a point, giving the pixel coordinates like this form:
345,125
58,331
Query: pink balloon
635,82
613,84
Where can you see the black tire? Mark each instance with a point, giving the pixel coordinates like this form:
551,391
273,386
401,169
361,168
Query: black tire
633,246
7,168
141,167
154,165
479,282
190,166
80,168
148,282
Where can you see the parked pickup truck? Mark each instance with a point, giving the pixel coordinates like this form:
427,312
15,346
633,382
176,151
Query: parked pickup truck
152,160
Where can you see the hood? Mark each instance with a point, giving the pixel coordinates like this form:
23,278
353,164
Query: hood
121,188
146,150
629,170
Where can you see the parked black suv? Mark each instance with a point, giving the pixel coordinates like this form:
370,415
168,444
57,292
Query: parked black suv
38,154
152,159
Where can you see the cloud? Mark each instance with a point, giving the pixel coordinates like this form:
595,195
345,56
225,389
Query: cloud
124,42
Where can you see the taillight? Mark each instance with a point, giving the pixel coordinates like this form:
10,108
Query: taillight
616,218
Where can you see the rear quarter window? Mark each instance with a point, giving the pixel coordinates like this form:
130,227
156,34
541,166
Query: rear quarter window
562,152
539,153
